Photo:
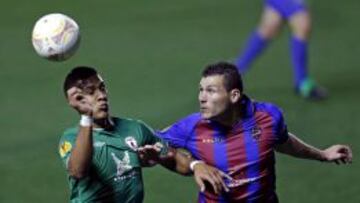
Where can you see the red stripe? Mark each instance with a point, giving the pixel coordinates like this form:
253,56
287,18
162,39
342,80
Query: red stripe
205,149
266,153
237,161
204,133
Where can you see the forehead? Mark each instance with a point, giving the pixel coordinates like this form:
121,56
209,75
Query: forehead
93,80
213,80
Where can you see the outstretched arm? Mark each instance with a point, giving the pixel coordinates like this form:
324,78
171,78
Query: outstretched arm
181,161
298,148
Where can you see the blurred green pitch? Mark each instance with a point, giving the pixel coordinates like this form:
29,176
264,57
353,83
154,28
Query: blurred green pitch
151,54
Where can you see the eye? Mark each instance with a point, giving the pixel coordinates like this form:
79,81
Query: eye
211,90
102,87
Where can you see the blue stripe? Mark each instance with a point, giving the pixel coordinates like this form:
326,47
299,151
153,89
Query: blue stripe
201,198
277,122
220,156
190,124
252,156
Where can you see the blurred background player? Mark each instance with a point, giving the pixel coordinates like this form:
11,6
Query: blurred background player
295,13
239,136
101,152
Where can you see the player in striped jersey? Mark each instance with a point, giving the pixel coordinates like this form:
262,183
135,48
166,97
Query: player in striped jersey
296,14
240,136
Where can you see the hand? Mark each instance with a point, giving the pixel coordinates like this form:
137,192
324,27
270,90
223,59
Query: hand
150,155
79,101
205,173
338,154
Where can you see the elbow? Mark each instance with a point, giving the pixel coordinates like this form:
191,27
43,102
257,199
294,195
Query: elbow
77,173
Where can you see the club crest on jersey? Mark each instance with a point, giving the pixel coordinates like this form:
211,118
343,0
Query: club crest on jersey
256,133
131,142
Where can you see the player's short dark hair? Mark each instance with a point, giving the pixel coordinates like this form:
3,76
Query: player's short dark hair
232,77
76,76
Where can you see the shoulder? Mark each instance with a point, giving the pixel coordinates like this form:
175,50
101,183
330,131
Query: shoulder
69,133
128,122
189,122
132,125
191,118
268,107
67,141
183,125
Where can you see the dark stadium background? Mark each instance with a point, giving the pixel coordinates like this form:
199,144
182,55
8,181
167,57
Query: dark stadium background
151,54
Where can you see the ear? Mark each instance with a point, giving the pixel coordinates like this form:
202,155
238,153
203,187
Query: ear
235,96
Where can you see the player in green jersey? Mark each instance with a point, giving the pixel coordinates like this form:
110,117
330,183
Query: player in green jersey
101,153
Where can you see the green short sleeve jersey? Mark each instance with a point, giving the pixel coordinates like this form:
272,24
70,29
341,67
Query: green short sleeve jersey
115,172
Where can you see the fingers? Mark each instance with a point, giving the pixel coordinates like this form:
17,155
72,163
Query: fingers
213,176
223,185
348,154
225,175
345,154
200,183
214,185
148,154
79,101
218,178
73,90
340,154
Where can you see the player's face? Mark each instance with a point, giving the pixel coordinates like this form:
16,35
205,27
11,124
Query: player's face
214,99
94,92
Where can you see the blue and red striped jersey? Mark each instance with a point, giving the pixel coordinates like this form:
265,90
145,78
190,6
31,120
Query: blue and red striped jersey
244,151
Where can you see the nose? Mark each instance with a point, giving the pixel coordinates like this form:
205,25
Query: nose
101,95
202,97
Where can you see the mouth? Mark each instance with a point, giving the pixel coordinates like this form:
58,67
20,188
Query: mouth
104,107
203,109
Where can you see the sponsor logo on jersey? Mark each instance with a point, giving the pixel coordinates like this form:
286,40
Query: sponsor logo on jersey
131,142
65,147
122,165
240,182
212,140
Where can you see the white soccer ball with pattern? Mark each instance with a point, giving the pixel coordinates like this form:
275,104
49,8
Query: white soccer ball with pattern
56,37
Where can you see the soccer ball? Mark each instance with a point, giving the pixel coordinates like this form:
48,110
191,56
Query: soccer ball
56,37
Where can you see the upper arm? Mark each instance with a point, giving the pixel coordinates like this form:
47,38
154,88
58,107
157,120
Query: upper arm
66,145
280,127
286,146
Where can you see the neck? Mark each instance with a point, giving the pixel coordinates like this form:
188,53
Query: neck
230,117
105,123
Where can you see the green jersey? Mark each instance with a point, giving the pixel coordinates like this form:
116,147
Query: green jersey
115,172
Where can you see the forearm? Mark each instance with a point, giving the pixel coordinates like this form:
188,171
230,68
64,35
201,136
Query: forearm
298,148
183,160
81,155
179,162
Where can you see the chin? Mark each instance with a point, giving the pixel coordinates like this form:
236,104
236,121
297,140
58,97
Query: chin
206,116
101,115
